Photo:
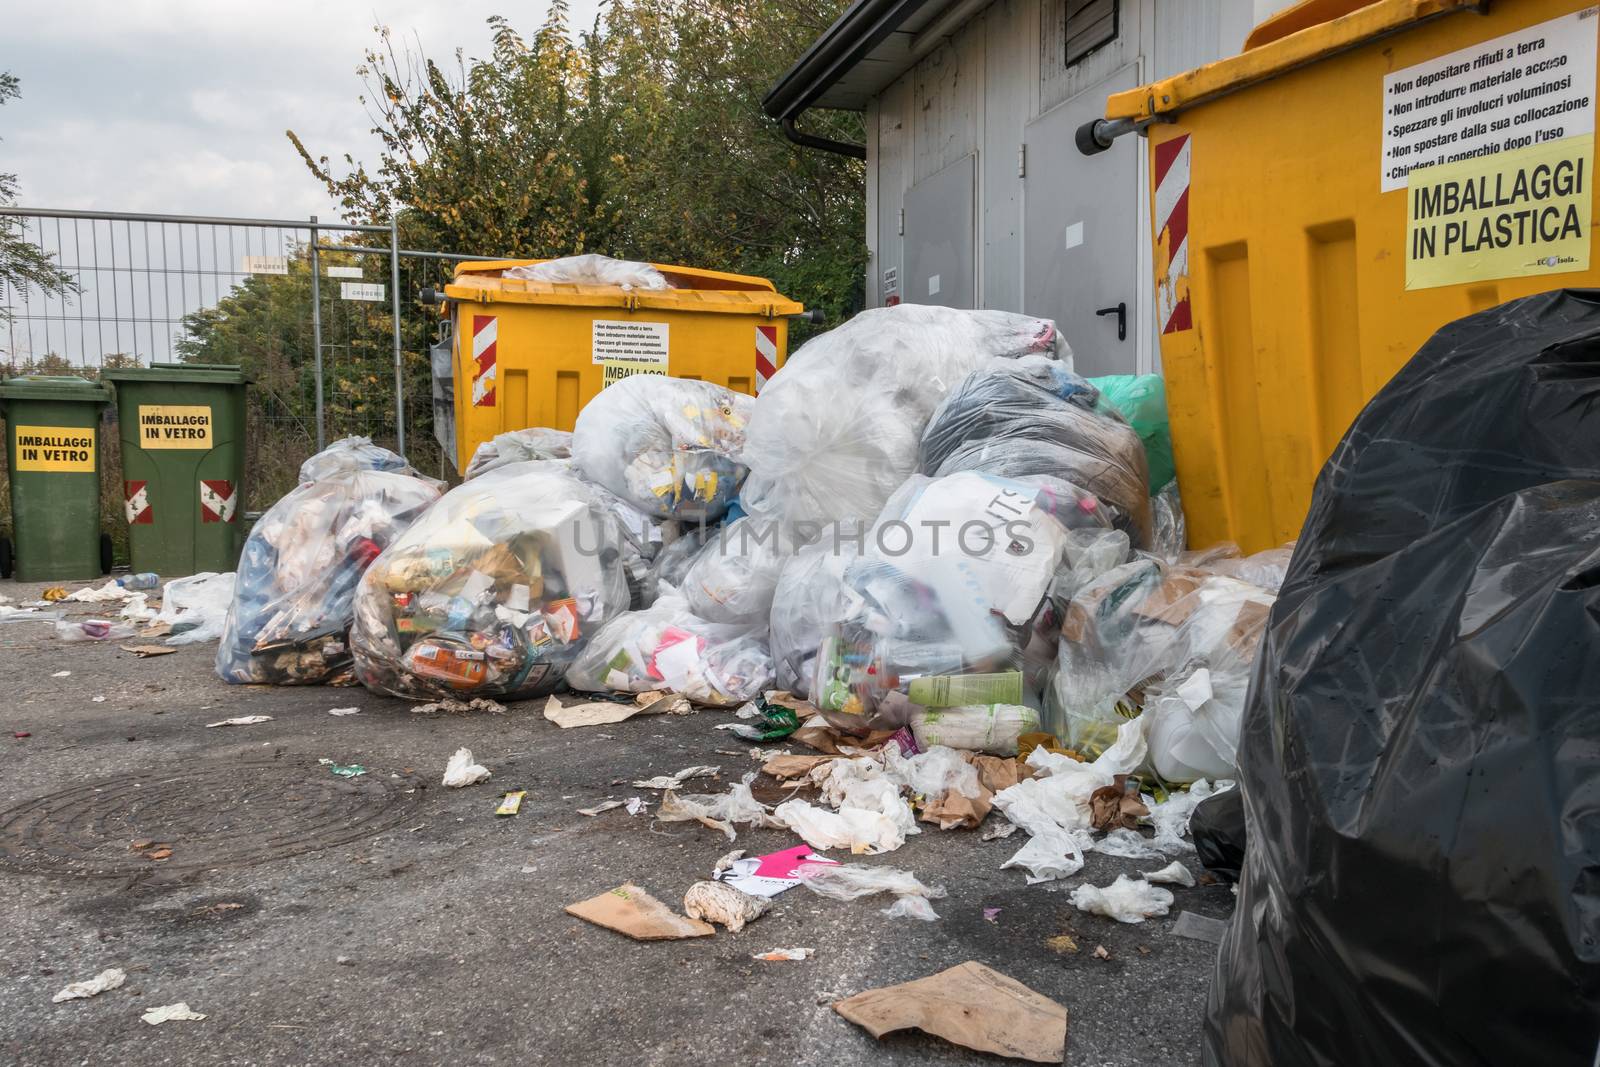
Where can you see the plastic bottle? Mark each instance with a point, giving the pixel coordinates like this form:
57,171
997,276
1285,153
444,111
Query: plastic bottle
141,581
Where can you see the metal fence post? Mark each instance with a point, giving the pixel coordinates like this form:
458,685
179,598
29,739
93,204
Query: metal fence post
316,330
394,294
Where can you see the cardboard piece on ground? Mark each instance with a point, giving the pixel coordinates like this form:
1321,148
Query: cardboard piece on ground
998,773
1113,806
630,910
971,1006
599,713
954,809
146,651
790,765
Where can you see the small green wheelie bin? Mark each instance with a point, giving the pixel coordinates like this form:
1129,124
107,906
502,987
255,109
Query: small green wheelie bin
182,427
53,456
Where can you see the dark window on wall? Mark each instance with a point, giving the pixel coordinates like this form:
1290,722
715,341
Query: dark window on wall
1090,24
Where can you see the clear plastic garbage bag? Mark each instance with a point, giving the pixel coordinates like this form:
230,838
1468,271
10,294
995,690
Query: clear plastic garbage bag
666,647
352,454
955,579
592,269
494,591
735,576
1033,416
808,600
837,430
292,602
669,446
516,446
1144,630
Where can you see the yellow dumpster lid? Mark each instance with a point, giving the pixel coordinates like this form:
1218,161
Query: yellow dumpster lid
695,289
1297,37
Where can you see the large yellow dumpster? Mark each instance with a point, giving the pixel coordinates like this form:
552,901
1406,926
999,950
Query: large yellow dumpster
530,353
1360,175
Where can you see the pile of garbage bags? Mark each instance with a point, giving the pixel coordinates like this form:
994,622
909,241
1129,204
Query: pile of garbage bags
669,446
494,591
290,618
926,521
1417,753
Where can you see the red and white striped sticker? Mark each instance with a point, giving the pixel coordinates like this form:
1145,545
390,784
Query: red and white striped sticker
136,503
485,332
766,354
1172,240
217,500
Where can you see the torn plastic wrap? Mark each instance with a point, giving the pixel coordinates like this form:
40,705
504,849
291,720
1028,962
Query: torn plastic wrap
1144,636
1417,756
1033,416
493,592
669,446
516,446
1169,529
952,588
808,600
666,647
592,269
293,601
734,577
836,431
352,454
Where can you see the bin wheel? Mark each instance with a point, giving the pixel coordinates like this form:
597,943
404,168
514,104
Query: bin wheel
105,553
7,558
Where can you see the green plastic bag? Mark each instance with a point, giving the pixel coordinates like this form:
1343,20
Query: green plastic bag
1142,400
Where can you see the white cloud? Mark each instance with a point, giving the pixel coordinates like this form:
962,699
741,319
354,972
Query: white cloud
180,106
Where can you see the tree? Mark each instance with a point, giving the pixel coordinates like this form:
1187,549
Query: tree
23,263
643,139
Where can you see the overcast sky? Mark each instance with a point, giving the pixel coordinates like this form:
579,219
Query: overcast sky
180,106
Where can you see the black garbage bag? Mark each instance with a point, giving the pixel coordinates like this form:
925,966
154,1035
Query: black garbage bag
1420,756
1217,827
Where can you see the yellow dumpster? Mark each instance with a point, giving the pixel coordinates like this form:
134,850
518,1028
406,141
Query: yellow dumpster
1360,175
531,353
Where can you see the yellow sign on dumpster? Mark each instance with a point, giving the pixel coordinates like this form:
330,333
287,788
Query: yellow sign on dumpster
56,448
1508,215
174,426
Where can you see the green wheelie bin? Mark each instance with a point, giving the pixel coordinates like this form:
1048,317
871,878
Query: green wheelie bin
182,427
53,456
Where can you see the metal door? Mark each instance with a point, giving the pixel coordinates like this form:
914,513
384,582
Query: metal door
941,263
1081,232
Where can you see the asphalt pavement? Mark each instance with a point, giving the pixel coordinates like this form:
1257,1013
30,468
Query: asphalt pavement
383,919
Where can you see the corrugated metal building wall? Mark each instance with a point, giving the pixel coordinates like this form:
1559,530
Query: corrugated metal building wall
976,195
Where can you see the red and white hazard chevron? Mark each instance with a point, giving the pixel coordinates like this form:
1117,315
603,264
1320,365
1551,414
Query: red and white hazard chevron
136,503
485,332
1172,221
218,498
766,354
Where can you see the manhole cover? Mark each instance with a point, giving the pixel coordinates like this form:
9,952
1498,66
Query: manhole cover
217,815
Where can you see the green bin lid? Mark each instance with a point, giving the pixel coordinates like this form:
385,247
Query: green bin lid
215,373
53,387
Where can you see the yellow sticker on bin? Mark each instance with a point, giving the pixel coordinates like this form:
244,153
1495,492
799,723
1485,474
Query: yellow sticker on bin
175,426
1509,215
55,448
